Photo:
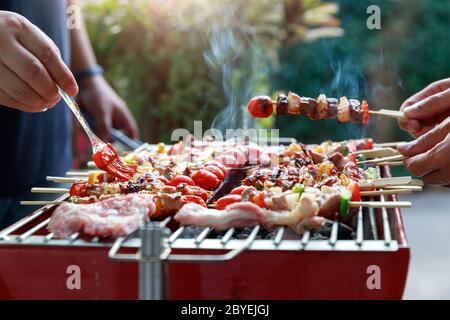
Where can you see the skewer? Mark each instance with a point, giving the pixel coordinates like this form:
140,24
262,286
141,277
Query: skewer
388,144
385,192
64,179
381,204
377,153
383,159
389,113
77,173
383,182
391,163
49,190
412,188
39,202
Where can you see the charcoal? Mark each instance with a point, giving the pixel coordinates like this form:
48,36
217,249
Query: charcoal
191,232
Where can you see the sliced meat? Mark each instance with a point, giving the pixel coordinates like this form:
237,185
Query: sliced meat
236,215
338,160
116,216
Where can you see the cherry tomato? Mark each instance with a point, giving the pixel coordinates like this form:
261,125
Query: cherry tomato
192,199
163,179
354,188
78,189
260,107
239,190
181,179
205,179
258,199
223,202
216,170
217,164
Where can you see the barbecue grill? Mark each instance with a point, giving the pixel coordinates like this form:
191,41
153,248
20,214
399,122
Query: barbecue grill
163,261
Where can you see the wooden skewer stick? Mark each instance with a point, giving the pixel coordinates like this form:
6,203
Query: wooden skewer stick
49,190
77,173
64,179
39,202
383,182
388,144
377,153
391,163
388,113
381,204
384,159
412,188
385,192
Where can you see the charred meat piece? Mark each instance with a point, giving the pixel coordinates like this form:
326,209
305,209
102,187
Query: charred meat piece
333,104
322,108
355,111
282,104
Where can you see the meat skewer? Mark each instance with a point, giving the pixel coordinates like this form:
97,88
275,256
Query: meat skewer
344,110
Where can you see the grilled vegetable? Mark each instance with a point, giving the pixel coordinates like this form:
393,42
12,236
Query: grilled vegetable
344,204
260,107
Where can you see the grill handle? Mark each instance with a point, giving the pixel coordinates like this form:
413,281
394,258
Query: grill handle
167,256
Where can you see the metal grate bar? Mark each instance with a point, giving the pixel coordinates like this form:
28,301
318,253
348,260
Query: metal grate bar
49,237
74,236
176,234
279,236
165,221
334,233
359,228
31,231
227,236
386,226
202,235
305,238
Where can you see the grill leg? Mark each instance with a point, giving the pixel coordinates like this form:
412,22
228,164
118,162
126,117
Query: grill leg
151,267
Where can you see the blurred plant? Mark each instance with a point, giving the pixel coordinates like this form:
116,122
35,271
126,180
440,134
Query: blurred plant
156,52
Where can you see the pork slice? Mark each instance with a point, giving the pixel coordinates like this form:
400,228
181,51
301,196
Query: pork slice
118,216
237,215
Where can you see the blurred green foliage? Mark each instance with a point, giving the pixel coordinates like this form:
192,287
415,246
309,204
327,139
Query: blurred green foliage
384,66
179,61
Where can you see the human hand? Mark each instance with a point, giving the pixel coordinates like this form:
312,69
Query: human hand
30,65
108,109
427,108
429,155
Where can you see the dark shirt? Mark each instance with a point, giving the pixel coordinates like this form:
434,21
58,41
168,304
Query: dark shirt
34,145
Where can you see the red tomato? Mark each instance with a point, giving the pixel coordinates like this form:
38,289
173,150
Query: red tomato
258,199
260,107
218,165
163,179
216,170
195,191
354,188
223,202
192,199
181,179
205,179
78,189
238,190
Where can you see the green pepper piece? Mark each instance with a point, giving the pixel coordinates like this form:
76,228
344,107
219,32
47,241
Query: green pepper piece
298,188
344,204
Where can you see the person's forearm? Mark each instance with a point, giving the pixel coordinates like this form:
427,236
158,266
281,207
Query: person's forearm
82,54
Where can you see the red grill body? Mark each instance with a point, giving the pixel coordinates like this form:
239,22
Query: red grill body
32,271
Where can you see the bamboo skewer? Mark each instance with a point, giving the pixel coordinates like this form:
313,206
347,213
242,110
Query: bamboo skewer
385,192
389,113
388,144
376,153
49,190
412,188
391,163
383,182
64,179
383,159
78,173
39,202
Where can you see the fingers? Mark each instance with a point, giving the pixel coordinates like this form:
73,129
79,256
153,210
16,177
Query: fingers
21,92
426,141
20,61
43,48
430,106
437,177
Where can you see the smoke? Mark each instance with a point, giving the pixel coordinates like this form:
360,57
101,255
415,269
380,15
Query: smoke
237,63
